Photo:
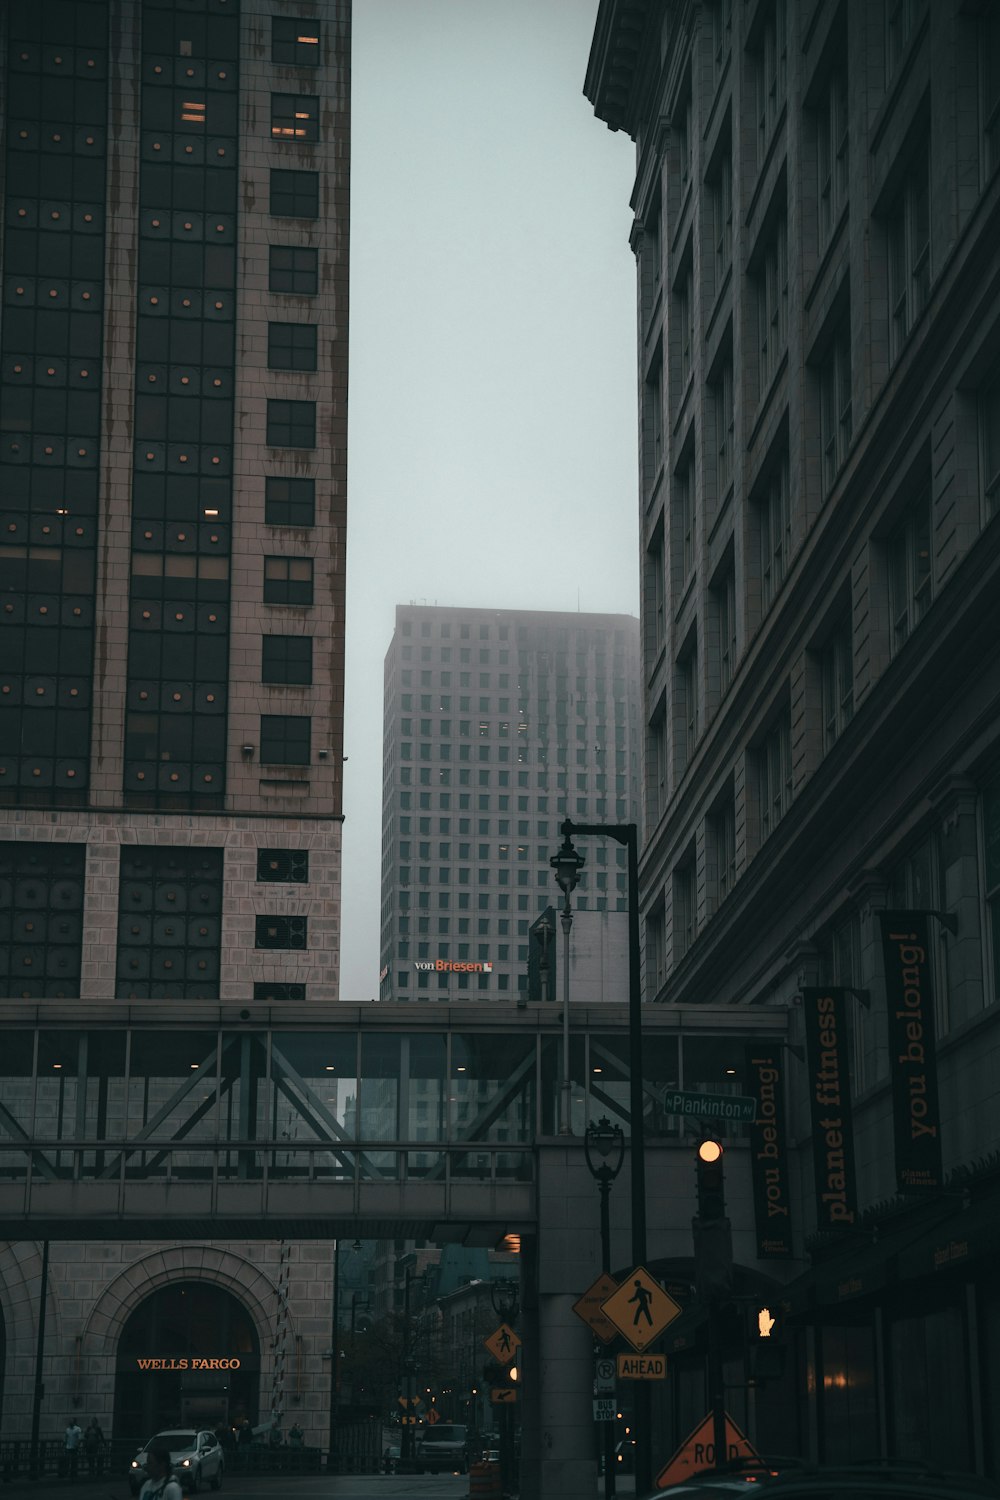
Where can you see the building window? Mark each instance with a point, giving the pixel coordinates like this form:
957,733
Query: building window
289,502
686,707
41,919
771,75
901,18
294,195
683,909
832,153
775,514
721,191
291,346
169,923
276,993
909,567
684,127
989,428
772,304
989,88
724,600
991,853
656,951
653,421
657,764
774,775
724,424
288,580
916,884
722,830
289,866
837,672
683,522
285,739
291,424
908,228
656,589
293,268
295,41
282,932
835,404
287,659
722,35
294,117
684,301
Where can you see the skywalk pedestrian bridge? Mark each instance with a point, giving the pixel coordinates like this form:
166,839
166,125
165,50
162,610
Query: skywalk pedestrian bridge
131,1121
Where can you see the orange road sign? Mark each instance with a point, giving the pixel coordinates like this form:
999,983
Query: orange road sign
588,1307
640,1309
697,1452
503,1395
433,1416
503,1343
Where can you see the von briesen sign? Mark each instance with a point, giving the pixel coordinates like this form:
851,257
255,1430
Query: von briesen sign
830,1107
909,997
768,1167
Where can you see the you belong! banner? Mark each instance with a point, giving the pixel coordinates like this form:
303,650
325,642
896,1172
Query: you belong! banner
768,1164
909,994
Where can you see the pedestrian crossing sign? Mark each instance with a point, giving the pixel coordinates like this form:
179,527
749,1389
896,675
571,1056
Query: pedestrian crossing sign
503,1344
640,1309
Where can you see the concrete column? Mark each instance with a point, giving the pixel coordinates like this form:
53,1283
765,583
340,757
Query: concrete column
565,1392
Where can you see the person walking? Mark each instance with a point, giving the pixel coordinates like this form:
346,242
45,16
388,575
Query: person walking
71,1443
161,1484
93,1447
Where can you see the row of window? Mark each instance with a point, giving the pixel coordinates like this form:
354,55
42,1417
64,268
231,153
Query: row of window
169,933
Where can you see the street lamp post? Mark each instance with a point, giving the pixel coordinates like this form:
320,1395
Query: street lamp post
604,1149
567,864
628,834
505,1297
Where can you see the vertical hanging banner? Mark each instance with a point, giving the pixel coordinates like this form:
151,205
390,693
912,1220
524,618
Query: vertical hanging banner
909,993
768,1167
830,1107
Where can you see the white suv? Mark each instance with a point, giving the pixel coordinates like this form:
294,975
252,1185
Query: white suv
195,1457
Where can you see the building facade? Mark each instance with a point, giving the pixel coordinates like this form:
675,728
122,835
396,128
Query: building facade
816,208
172,481
498,725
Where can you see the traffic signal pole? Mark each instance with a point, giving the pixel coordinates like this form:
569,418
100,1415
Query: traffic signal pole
713,1248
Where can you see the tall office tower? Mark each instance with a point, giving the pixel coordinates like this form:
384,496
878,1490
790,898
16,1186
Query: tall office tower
173,381
498,725
817,203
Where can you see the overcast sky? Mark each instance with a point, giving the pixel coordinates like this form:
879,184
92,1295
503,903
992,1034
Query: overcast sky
492,439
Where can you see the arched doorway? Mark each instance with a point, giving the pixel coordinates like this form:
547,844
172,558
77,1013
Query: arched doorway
188,1356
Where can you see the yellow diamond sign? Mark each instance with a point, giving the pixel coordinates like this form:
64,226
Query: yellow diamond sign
503,1344
640,1309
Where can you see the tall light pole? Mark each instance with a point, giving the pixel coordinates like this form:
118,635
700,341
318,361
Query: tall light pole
604,1148
567,864
628,834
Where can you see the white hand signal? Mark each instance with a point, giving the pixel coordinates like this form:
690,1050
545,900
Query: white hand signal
765,1322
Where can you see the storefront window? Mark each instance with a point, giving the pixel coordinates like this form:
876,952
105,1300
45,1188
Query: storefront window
849,1406
930,1416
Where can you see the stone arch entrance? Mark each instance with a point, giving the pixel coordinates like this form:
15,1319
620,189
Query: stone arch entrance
187,1356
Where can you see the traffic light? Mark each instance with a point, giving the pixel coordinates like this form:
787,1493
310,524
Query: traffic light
766,1343
713,1240
711,1189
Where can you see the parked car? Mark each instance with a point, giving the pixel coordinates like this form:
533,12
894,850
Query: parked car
196,1456
443,1449
789,1479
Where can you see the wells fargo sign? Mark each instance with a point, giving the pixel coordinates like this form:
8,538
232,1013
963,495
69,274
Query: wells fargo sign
188,1362
830,1107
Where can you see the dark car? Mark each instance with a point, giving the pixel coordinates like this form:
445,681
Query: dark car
443,1449
790,1479
196,1458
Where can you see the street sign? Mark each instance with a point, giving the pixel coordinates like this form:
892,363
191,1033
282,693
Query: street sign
710,1106
503,1344
433,1416
588,1307
697,1452
642,1366
604,1375
640,1309
604,1409
413,1401
503,1395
